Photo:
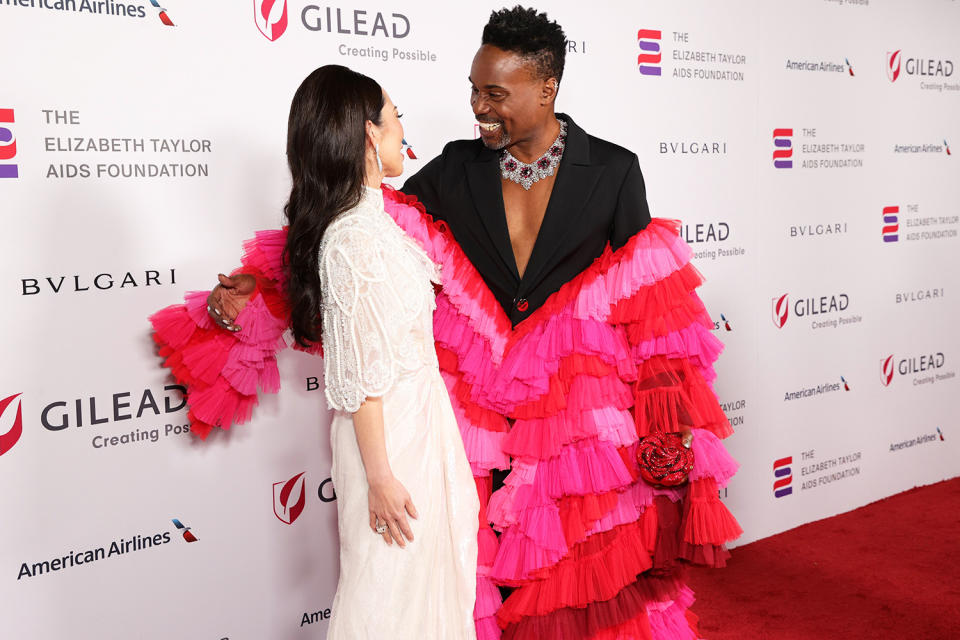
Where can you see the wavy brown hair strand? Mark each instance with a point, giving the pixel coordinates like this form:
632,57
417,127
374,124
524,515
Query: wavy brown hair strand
326,152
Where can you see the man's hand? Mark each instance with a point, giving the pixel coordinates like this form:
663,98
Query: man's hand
229,298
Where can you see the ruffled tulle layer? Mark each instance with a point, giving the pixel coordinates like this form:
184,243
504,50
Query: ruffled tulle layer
646,609
623,350
222,371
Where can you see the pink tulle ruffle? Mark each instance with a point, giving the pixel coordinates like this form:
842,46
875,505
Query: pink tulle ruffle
711,459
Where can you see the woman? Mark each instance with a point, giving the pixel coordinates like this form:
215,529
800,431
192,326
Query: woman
407,504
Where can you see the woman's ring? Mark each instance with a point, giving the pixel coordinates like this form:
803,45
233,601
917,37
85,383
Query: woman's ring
381,528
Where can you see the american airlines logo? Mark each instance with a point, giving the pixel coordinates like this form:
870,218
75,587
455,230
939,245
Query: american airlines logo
164,17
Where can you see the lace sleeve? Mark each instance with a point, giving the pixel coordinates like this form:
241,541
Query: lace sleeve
357,303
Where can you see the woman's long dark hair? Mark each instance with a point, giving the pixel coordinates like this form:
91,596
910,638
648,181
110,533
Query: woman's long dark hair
326,151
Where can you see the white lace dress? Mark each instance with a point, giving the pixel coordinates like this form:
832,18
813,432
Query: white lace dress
378,303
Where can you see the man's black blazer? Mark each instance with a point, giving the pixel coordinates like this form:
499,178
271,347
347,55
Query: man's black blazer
598,197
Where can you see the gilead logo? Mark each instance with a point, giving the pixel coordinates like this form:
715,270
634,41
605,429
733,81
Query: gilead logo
808,307
117,407
270,17
781,310
289,498
10,438
924,67
913,366
886,371
893,65
356,22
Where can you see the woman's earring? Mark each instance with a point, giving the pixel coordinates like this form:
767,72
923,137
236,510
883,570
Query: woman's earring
376,151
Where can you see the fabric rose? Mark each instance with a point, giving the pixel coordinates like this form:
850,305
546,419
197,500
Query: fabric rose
663,459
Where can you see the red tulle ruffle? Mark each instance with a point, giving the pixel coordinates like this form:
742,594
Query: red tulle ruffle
593,571
707,521
606,619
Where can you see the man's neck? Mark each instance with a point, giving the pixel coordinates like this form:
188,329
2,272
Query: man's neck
531,149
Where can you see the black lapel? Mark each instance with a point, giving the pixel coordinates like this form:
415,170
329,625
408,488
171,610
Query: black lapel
576,179
483,175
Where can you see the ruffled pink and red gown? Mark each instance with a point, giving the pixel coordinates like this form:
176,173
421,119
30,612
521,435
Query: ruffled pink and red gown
623,350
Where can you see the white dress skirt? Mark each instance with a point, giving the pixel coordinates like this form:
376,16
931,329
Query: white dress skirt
378,302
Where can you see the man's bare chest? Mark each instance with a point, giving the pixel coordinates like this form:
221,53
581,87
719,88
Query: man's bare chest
525,211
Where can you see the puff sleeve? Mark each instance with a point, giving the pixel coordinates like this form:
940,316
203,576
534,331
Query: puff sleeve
357,305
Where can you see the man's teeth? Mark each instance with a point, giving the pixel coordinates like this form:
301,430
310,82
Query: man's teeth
489,126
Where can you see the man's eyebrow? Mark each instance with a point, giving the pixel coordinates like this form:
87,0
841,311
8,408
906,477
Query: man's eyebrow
488,86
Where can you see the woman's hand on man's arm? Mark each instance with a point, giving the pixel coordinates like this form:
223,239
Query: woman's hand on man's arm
229,298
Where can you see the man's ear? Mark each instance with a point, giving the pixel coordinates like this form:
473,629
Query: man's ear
548,93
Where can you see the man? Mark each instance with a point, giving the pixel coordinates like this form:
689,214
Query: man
603,344
533,204
527,242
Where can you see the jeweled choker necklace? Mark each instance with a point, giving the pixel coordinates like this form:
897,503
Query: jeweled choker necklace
526,174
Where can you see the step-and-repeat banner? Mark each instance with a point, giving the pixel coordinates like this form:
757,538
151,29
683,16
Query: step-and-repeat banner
805,145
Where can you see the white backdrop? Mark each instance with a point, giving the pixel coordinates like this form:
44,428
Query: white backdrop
195,114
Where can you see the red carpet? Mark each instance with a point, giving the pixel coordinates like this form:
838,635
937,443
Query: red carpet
890,569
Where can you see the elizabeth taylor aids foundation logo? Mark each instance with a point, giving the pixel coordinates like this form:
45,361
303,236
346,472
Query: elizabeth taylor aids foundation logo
648,60
783,477
8,145
783,148
891,224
